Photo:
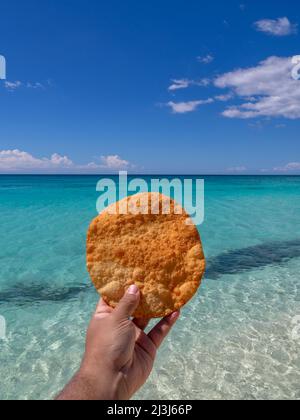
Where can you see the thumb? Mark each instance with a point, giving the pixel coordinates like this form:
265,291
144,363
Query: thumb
128,303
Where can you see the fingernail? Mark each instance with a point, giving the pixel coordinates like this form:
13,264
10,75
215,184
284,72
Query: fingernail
133,290
174,316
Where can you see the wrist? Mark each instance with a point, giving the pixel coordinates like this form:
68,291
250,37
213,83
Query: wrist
103,383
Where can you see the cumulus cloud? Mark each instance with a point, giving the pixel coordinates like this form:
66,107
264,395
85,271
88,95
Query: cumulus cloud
185,107
17,161
114,162
267,89
277,27
290,167
207,59
185,83
59,160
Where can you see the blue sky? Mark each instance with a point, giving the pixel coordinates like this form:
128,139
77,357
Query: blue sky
162,86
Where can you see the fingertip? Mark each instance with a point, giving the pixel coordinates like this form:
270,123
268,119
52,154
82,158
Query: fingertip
174,316
133,290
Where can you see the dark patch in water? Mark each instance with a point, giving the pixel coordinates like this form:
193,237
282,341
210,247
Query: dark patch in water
229,263
21,294
247,259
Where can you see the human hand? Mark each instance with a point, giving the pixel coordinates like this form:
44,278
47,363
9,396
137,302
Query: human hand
119,356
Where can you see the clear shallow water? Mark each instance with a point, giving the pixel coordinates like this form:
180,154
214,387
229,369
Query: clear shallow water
233,340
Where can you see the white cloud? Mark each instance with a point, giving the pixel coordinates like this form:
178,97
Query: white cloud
114,162
293,167
290,167
185,83
203,82
266,90
207,59
35,85
59,160
17,161
224,98
184,107
270,86
179,84
12,85
277,27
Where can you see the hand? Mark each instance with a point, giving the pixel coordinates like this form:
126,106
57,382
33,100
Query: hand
119,355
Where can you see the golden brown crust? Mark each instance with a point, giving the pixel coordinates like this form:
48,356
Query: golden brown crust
160,253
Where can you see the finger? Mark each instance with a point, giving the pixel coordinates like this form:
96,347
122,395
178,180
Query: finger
146,344
128,303
141,323
162,329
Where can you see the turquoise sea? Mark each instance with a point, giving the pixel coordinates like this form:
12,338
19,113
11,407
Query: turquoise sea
235,340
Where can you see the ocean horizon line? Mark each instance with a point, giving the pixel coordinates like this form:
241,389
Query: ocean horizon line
150,174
